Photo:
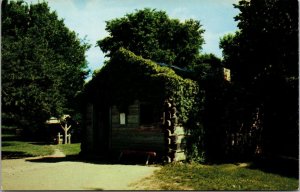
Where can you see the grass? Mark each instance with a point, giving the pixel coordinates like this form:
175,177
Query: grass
69,149
13,148
217,177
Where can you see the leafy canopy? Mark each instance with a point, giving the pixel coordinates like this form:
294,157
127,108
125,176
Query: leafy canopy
153,35
43,63
263,58
267,41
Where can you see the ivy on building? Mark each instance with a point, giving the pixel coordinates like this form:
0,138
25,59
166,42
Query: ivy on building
127,77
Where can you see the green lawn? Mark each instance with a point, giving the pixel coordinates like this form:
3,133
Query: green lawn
217,177
69,149
12,148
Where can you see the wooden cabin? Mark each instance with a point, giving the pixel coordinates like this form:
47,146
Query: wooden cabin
134,105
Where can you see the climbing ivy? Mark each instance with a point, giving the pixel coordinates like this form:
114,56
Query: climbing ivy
127,77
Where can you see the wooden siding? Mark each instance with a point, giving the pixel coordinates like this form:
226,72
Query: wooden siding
132,116
106,134
137,139
133,136
89,127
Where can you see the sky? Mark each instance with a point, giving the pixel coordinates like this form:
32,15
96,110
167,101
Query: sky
87,18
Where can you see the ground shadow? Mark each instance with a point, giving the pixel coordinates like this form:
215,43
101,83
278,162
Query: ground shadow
281,166
287,167
49,159
7,144
79,158
11,138
13,155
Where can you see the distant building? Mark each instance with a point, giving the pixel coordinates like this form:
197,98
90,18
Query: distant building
53,120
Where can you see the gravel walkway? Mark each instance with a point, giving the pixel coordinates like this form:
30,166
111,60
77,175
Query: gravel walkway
25,174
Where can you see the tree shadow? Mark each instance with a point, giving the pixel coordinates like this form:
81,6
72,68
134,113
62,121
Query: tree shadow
282,166
11,138
13,155
107,160
49,159
73,158
7,144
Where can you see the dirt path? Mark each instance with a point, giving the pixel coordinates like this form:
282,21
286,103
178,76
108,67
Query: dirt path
23,174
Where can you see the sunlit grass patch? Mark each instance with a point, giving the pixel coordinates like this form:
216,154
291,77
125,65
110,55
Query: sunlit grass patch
13,147
20,149
218,177
69,149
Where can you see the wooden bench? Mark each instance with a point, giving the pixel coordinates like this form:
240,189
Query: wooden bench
138,153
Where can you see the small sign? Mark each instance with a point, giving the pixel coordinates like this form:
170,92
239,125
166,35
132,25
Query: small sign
122,119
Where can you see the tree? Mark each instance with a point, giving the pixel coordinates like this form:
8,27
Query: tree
43,63
263,57
205,122
266,41
153,35
230,48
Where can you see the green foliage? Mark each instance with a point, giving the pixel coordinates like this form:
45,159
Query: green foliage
263,58
266,42
43,63
207,68
230,49
209,75
195,151
153,35
127,77
217,177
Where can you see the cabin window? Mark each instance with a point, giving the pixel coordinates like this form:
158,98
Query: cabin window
122,118
146,114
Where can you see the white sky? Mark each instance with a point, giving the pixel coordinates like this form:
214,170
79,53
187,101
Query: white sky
87,18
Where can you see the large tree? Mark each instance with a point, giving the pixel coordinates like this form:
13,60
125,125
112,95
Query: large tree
43,63
263,57
153,35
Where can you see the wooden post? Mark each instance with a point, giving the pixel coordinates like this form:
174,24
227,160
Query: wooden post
66,129
59,138
69,138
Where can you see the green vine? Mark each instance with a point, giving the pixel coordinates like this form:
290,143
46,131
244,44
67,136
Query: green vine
127,77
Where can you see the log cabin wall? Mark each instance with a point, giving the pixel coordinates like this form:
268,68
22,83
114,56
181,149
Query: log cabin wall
87,144
101,129
95,142
110,131
130,133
